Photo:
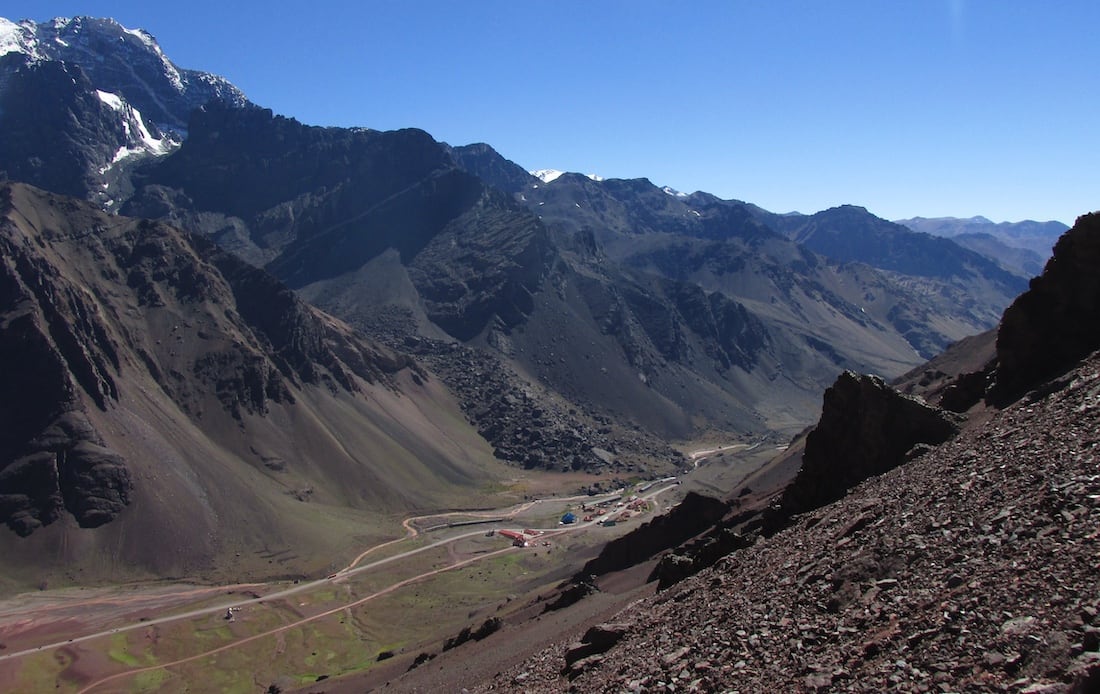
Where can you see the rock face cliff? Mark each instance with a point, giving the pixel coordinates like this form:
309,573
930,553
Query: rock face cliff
866,428
1054,323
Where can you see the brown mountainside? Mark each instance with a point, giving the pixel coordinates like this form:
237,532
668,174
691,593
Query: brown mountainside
169,395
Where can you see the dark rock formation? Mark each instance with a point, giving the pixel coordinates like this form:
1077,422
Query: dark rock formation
598,639
866,428
692,516
63,469
572,593
695,556
1055,323
966,390
489,627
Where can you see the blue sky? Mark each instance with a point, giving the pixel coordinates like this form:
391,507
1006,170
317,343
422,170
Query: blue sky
923,107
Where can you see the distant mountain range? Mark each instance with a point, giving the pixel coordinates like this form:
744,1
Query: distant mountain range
1019,246
578,323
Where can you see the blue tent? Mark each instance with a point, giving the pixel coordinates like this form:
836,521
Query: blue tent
568,518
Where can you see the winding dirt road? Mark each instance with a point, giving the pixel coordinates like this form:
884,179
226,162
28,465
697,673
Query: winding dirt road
350,570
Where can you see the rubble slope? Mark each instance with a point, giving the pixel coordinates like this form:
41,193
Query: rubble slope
972,568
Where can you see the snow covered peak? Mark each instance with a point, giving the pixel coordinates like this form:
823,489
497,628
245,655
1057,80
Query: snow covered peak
18,38
126,62
546,175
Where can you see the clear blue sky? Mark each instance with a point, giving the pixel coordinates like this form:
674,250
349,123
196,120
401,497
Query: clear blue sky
922,107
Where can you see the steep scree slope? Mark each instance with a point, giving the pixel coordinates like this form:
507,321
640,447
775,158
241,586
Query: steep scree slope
971,568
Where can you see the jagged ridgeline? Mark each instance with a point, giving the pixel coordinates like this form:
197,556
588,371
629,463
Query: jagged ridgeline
620,310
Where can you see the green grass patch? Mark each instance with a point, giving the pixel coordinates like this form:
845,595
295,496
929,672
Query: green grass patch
150,680
38,672
120,651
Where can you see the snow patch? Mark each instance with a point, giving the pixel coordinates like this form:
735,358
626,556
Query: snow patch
551,175
546,175
143,36
152,144
139,139
112,100
674,193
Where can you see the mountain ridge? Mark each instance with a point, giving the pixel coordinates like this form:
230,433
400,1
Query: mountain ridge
196,397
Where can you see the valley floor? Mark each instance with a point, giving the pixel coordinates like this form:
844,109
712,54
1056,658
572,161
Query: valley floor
451,571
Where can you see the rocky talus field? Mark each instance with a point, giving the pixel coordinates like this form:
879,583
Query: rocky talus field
972,568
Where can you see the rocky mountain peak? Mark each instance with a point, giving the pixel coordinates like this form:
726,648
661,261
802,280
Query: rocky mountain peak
126,62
